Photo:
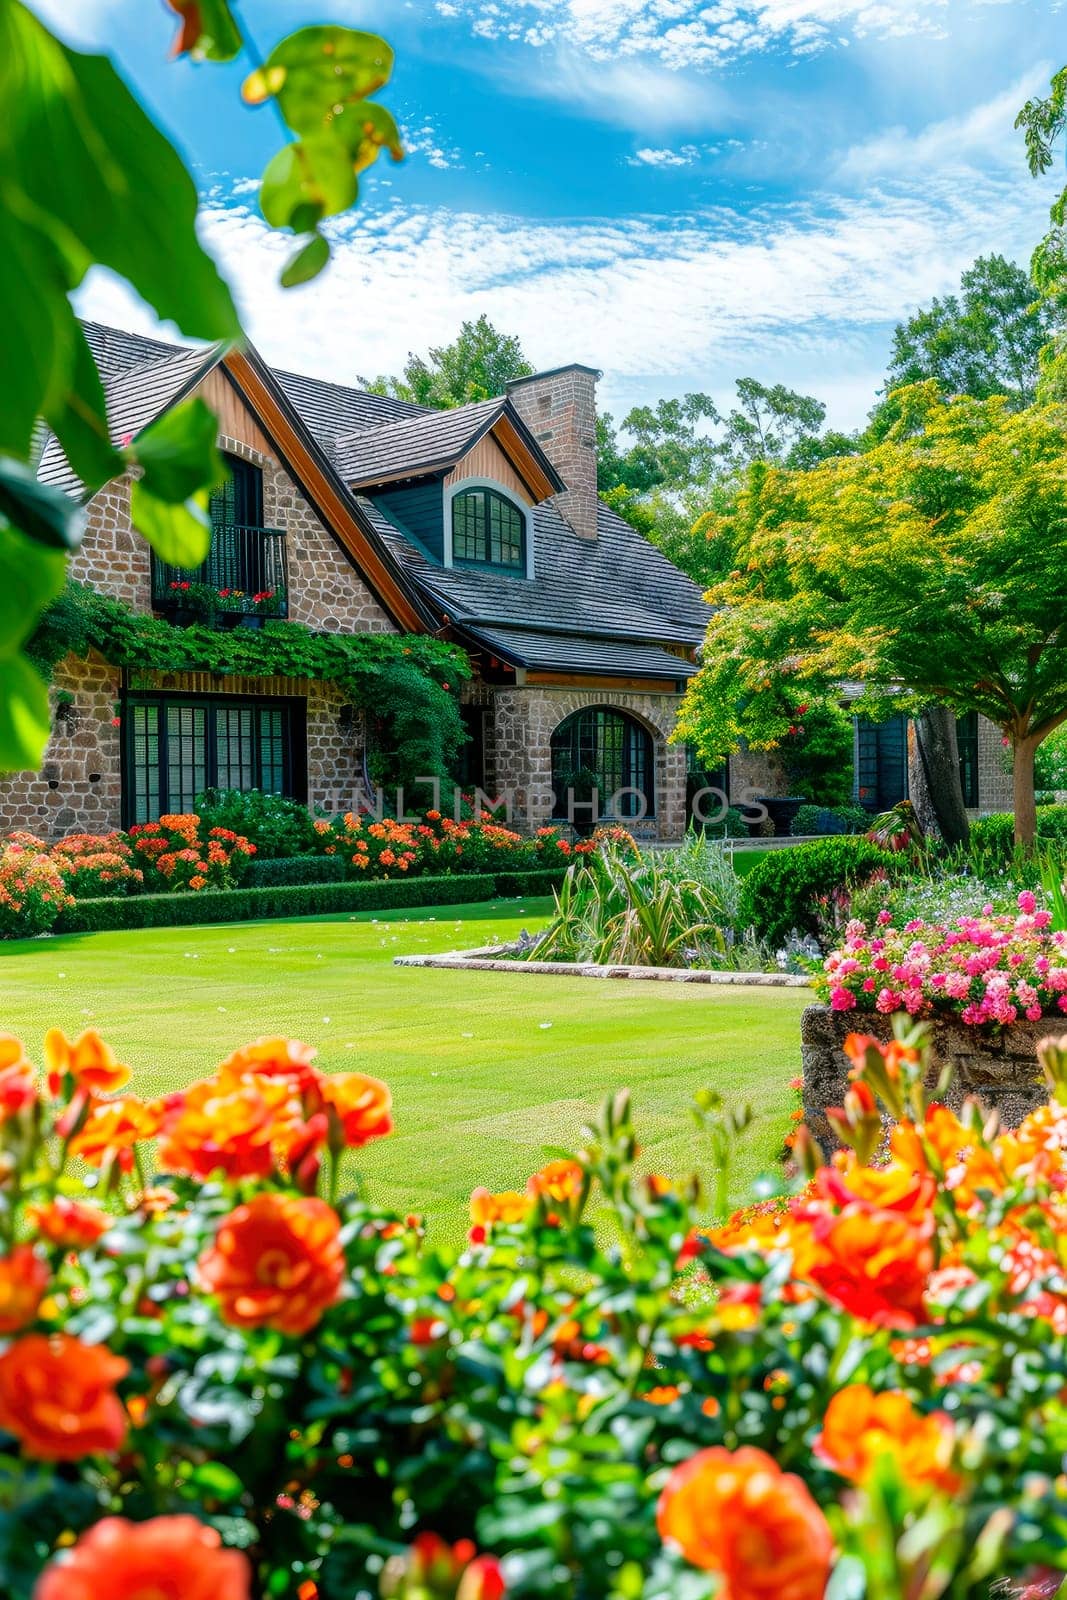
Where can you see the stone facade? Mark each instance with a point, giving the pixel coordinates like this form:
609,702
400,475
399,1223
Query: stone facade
994,772
1001,1069
523,721
559,408
79,786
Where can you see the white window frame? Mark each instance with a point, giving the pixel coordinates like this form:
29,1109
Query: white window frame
502,489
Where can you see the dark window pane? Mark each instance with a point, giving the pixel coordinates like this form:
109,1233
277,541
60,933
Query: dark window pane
177,748
487,527
607,749
967,742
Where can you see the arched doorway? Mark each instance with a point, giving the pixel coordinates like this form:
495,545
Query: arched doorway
607,752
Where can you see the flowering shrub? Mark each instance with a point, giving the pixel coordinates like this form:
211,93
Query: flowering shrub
240,1379
439,844
97,864
32,892
177,852
984,969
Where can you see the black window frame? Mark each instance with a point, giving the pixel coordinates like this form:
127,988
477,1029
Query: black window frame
635,750
483,535
293,753
967,745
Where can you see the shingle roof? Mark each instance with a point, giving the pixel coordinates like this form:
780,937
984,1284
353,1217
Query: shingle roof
433,439
617,586
331,410
563,651
135,396
116,351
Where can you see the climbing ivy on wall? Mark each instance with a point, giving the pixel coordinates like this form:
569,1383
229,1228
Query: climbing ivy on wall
406,684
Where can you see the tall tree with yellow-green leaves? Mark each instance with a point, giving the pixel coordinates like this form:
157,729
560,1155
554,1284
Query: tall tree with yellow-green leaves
931,568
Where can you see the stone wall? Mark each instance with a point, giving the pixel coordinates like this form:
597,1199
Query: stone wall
336,749
1001,1070
79,786
994,773
524,720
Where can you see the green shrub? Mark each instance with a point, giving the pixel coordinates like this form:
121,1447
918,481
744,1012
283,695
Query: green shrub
830,820
276,826
269,874
781,891
298,900
995,835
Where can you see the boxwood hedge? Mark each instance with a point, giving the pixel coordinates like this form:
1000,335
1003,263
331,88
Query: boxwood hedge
299,900
781,891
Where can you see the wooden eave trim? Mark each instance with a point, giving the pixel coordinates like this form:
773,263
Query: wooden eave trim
591,680
371,562
522,458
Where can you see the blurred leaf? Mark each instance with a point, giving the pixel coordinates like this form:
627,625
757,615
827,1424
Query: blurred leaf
316,71
305,182
34,362
307,263
24,717
83,164
43,514
178,452
78,414
179,534
209,30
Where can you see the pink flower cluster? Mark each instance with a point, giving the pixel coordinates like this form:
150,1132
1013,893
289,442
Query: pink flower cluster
985,969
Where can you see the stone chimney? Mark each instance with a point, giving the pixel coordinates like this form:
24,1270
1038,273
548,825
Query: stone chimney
559,408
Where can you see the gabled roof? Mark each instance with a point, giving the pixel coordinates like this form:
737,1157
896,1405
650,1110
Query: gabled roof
332,411
617,586
436,441
135,396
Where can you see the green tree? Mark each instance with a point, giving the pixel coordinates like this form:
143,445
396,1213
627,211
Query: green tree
986,340
87,178
669,448
478,364
768,424
932,568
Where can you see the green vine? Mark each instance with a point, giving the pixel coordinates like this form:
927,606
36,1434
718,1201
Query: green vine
407,684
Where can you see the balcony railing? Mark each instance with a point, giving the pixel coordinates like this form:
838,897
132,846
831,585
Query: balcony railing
246,573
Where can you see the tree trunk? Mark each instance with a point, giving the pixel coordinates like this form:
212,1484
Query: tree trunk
938,774
1022,771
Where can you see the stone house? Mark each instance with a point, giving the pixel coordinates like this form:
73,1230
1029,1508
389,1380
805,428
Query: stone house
358,513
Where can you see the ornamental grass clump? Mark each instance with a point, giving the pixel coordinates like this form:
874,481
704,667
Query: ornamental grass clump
985,969
226,1374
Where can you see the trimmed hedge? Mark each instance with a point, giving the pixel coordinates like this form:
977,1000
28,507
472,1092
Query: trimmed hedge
780,892
269,874
996,833
538,881
830,820
297,900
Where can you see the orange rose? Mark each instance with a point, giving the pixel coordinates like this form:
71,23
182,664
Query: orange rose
111,1130
272,1058
875,1264
71,1224
558,1180
507,1206
23,1282
276,1263
898,1186
168,1556
861,1427
57,1396
736,1513
18,1088
89,1061
239,1126
362,1106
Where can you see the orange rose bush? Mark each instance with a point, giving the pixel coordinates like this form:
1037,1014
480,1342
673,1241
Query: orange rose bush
227,1374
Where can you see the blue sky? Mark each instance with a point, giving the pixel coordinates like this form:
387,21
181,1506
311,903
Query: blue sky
679,192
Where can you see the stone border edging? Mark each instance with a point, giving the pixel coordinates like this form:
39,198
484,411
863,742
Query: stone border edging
485,960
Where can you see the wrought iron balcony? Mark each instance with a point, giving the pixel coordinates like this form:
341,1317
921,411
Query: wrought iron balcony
246,574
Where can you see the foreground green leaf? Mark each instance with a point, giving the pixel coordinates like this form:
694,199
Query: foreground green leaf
41,513
209,30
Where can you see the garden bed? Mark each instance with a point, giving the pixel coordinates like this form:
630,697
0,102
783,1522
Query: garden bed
490,959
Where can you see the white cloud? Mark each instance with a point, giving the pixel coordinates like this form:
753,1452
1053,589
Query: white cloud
700,33
982,137
664,158
803,292
425,141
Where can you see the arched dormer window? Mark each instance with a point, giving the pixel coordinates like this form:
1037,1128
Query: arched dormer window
488,530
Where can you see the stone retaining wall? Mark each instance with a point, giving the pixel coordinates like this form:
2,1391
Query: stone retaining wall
1000,1069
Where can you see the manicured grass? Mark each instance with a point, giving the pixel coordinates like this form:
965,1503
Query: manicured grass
486,1069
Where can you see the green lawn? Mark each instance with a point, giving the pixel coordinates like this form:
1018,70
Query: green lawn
485,1069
